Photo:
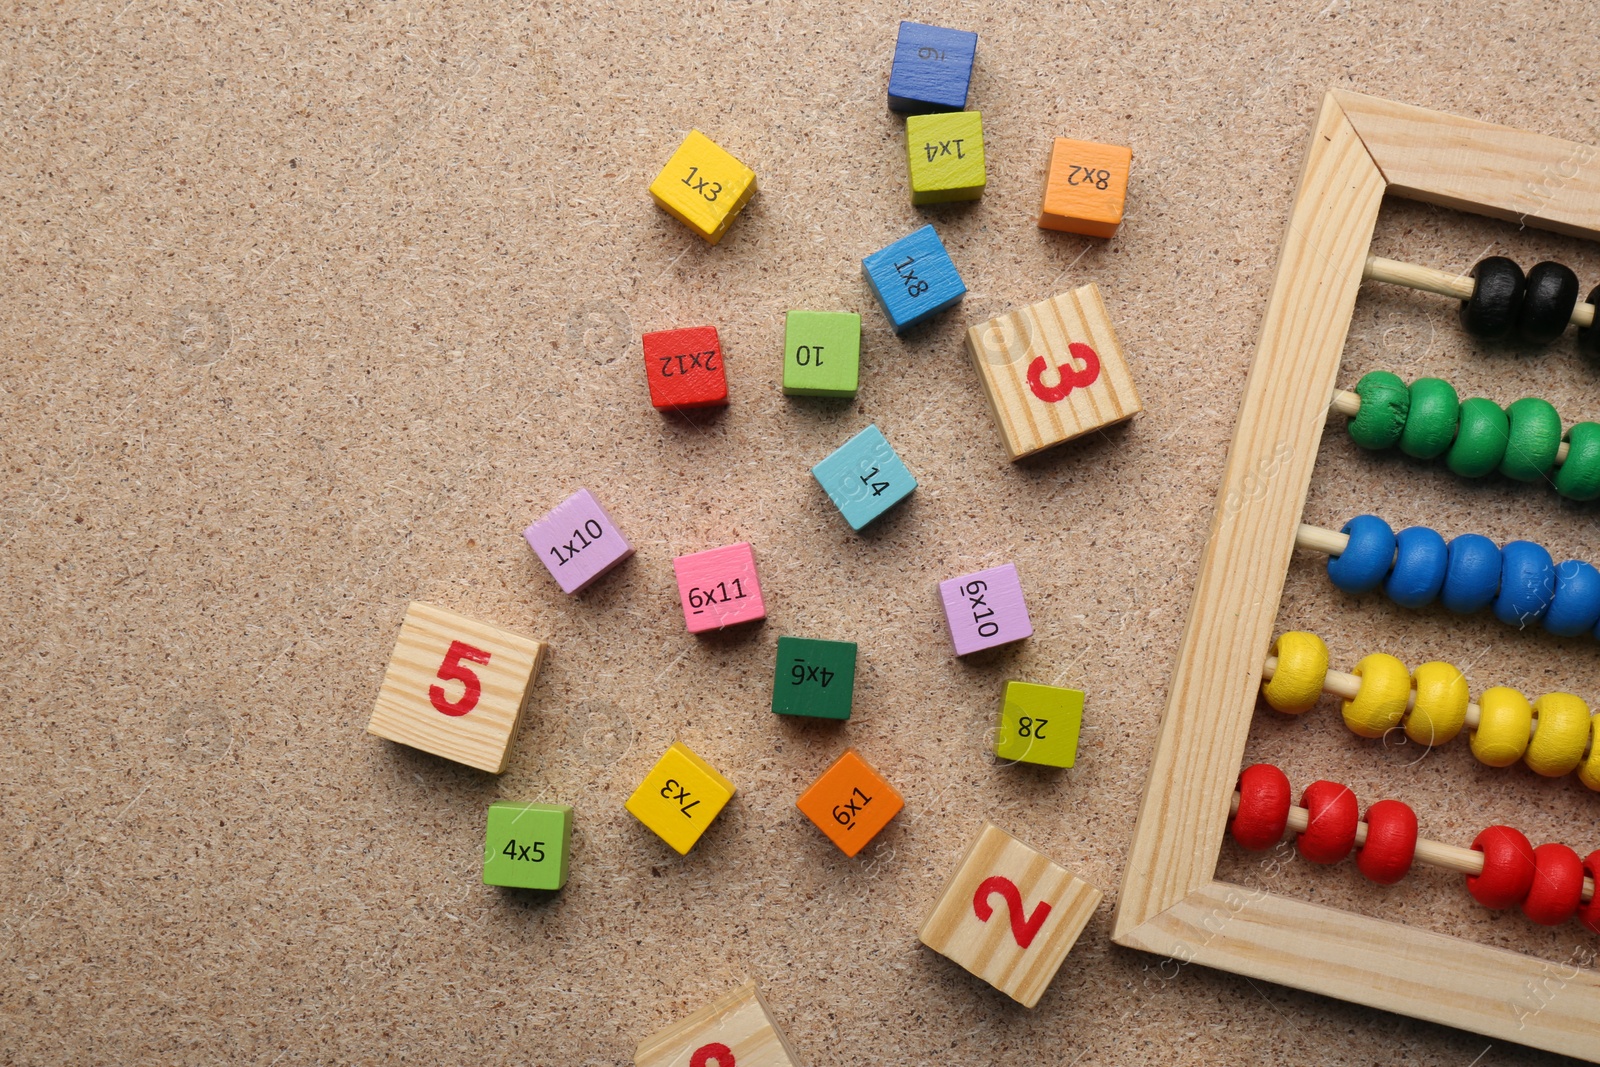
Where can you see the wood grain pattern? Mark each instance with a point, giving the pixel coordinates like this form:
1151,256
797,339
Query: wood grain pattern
990,948
480,738
741,1021
1035,407
1169,901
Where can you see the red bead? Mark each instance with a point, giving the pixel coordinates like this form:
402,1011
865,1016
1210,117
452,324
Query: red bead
1332,815
1391,842
684,368
1589,914
1507,868
1263,807
1557,885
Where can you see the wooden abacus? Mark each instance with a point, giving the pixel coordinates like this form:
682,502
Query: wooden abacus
1361,149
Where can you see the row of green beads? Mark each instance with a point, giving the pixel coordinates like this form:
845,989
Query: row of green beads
1476,436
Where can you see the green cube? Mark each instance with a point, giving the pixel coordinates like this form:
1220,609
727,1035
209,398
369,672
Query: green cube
945,152
815,678
526,845
1039,724
821,353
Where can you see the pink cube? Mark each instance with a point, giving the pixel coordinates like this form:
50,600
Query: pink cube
718,587
985,609
577,542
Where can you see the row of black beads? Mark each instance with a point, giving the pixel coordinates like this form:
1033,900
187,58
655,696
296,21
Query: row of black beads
1535,307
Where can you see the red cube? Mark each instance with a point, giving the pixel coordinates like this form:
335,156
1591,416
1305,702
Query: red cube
684,368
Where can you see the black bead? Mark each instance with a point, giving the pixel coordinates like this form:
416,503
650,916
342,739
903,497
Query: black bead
1497,290
1547,307
1589,336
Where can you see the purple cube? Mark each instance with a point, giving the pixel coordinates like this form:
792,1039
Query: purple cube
577,542
985,609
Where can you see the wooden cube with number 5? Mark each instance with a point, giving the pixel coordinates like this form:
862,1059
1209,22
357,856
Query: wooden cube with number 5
456,687
1009,915
1039,724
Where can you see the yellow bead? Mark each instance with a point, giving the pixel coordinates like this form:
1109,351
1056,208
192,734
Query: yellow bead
1562,731
1440,710
1589,769
1505,722
1380,703
1296,685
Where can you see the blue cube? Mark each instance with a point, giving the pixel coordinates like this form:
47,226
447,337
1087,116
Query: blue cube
932,69
913,279
864,477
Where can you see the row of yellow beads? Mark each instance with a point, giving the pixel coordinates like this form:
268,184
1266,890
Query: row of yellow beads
1554,735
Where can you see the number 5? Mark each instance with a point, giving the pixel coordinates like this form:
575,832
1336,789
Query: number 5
451,670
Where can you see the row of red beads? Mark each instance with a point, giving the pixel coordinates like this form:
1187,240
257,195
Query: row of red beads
1547,882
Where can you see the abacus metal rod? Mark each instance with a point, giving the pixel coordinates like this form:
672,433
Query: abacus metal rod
1444,283
1433,853
1348,404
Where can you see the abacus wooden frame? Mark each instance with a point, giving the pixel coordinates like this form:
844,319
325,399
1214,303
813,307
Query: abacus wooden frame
1171,903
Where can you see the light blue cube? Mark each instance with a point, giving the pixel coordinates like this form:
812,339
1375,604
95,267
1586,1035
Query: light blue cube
864,477
913,279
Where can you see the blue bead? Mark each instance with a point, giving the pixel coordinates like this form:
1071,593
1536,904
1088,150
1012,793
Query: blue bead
1527,583
1576,607
932,69
913,278
1419,567
1366,560
1472,580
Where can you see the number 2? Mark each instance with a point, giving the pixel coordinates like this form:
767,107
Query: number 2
1022,929
452,670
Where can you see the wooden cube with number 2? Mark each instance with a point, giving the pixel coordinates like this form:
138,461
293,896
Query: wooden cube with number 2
1009,915
736,1031
456,687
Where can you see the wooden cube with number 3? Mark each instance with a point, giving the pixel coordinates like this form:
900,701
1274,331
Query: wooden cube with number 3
456,687
736,1031
1009,915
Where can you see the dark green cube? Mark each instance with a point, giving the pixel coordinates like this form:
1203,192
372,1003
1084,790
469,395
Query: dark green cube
815,678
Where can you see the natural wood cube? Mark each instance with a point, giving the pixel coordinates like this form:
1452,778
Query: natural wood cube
456,687
1009,915
1053,371
736,1031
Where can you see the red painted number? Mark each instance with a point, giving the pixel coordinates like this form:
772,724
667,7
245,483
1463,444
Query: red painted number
721,1054
1023,929
1071,377
452,670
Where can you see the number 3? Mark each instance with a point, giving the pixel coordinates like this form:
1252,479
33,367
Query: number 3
1071,377
451,670
1023,929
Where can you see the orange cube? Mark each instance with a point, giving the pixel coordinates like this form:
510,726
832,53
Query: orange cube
850,802
1085,187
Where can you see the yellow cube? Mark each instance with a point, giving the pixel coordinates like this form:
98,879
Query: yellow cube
703,186
680,797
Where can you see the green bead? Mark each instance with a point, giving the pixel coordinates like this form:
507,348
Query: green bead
1532,441
1480,439
1578,477
1384,403
1431,422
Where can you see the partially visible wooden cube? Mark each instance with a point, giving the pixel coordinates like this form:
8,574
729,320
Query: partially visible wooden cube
1053,371
703,186
456,687
1085,187
1009,915
736,1031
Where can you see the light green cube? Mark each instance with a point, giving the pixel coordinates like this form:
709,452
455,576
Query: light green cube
821,353
945,152
1039,724
526,845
